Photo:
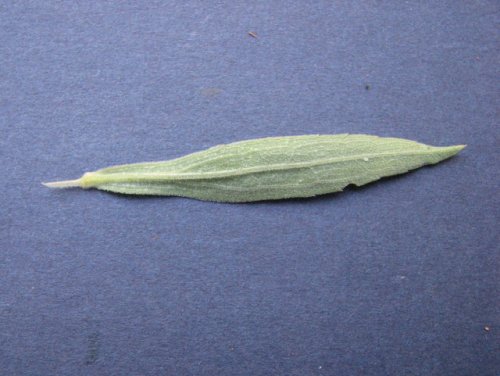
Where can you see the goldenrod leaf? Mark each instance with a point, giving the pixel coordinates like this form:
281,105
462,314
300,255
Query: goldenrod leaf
269,168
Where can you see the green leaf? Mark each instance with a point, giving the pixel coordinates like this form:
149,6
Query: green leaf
269,168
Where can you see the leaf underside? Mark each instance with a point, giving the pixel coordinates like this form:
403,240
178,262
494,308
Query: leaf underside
271,168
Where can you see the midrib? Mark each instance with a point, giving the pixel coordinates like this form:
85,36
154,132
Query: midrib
94,179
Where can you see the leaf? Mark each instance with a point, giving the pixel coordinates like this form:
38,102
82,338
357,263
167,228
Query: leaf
269,168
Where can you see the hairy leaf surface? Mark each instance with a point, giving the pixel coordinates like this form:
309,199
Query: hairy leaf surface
269,168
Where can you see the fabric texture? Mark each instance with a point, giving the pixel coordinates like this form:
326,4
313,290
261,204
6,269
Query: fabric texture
399,277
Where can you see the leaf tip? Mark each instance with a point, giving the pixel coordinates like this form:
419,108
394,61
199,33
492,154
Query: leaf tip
449,151
457,148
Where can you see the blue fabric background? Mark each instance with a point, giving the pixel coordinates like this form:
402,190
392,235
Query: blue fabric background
397,278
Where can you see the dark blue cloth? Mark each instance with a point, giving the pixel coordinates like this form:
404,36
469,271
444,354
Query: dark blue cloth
396,278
